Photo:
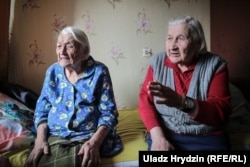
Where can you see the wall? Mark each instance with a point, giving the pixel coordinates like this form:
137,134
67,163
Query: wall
118,30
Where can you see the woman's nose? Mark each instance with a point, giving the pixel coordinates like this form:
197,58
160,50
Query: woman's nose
173,45
63,49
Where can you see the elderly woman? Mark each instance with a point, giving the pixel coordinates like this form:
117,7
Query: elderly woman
76,114
184,101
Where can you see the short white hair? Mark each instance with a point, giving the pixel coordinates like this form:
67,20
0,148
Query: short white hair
78,36
195,31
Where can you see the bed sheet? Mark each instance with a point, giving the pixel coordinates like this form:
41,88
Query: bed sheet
132,132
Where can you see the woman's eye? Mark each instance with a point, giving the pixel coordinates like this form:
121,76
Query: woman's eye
169,38
181,38
70,46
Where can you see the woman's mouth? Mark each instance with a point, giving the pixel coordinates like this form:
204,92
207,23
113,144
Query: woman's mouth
175,54
64,57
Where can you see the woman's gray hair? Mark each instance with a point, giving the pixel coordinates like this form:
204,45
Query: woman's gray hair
195,31
78,36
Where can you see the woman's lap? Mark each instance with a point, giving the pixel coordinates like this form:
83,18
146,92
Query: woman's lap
196,143
62,153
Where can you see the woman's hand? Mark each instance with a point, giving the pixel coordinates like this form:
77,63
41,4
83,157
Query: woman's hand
40,148
159,142
166,95
90,151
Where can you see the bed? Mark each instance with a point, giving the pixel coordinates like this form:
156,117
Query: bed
17,103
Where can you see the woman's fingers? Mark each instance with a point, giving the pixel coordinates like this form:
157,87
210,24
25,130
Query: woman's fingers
90,155
46,149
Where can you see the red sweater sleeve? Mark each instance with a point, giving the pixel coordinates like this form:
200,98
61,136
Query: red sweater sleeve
214,111
217,108
146,108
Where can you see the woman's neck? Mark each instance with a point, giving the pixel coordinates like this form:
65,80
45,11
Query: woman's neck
71,75
74,73
182,67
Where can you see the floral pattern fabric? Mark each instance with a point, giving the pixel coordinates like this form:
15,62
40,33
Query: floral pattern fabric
75,111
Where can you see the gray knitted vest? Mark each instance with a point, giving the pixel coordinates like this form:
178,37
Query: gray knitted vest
173,118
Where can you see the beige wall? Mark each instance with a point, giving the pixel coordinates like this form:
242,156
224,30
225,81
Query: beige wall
112,26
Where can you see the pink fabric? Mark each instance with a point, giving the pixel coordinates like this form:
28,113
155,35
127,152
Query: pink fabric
13,135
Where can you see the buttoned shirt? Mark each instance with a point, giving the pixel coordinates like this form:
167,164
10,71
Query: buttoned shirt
76,110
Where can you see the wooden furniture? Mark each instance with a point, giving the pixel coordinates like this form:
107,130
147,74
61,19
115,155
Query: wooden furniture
4,38
230,35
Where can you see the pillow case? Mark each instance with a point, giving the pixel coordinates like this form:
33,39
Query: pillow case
12,109
24,117
15,91
5,98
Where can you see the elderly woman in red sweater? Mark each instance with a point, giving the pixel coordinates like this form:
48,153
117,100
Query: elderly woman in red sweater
184,101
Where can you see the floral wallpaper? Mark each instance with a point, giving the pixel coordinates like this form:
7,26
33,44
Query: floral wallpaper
88,24
118,31
143,23
30,4
35,54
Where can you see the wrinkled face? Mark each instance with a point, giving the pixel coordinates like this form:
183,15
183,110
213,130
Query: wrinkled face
69,52
179,46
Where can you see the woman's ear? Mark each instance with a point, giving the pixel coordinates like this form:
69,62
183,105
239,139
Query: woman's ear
79,49
83,52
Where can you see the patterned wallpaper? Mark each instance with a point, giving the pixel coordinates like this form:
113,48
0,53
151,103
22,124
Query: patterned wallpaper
118,30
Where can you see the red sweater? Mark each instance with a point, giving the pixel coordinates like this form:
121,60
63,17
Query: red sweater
214,111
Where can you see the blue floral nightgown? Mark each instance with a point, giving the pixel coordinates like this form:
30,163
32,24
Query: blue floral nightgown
75,111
